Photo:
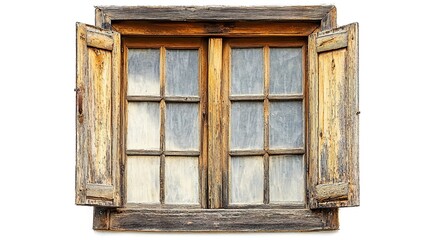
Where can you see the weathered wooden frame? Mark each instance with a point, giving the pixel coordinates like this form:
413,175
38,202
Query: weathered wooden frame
215,22
163,44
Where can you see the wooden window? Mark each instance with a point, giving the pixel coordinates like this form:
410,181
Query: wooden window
265,98
165,115
217,119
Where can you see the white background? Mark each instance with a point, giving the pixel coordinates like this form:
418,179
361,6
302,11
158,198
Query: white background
37,151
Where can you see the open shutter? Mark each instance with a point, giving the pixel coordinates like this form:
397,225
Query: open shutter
333,122
97,117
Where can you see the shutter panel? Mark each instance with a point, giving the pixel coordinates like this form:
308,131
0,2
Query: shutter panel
97,117
333,122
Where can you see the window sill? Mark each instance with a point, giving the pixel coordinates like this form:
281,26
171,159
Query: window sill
215,220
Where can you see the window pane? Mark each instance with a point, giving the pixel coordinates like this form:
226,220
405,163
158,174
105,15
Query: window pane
182,73
247,125
285,70
286,125
247,180
247,73
181,180
143,179
287,179
181,126
143,72
143,126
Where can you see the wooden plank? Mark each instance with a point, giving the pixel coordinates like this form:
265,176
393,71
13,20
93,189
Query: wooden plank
102,20
331,42
329,21
214,123
97,40
223,220
203,116
216,13
99,191
224,120
332,116
218,29
353,113
332,192
313,124
101,218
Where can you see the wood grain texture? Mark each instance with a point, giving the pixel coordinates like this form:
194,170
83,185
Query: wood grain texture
214,123
215,29
334,131
223,220
329,21
331,192
97,118
101,218
331,42
215,13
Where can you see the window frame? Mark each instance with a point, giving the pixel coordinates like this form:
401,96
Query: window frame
266,43
215,22
168,43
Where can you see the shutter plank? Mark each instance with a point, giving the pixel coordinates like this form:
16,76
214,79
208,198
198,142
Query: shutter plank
97,117
333,165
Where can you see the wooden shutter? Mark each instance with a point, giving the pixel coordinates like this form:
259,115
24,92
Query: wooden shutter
333,122
97,117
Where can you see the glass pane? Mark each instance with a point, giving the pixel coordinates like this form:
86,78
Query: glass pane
285,70
247,72
247,125
181,126
182,73
287,179
143,126
286,125
143,72
181,180
143,179
247,180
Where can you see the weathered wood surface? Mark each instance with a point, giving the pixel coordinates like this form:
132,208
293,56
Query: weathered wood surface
331,42
334,130
101,218
223,220
329,21
215,29
97,117
214,123
332,192
212,13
